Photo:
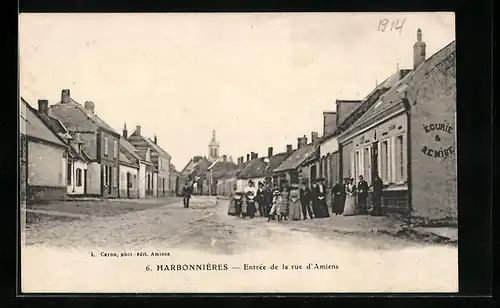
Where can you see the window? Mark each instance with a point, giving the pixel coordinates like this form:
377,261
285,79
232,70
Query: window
366,164
78,177
135,180
105,145
68,174
384,159
159,164
115,149
400,158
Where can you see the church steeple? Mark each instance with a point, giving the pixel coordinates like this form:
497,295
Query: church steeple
213,148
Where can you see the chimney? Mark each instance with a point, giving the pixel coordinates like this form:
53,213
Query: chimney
138,130
255,155
125,131
289,148
302,141
89,106
155,139
418,50
345,108
224,158
65,96
314,136
270,152
329,122
43,106
248,157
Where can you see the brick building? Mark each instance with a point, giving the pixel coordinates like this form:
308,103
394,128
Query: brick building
100,142
408,137
160,183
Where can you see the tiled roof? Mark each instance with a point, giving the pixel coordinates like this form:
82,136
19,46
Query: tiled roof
222,169
380,103
152,145
256,168
297,157
393,95
368,102
274,162
130,149
31,125
76,118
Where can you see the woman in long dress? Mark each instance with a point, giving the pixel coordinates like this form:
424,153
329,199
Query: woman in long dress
350,199
294,202
283,204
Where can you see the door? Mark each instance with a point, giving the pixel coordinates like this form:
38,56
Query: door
84,181
374,160
129,184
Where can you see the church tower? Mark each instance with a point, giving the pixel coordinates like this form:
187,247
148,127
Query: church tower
213,148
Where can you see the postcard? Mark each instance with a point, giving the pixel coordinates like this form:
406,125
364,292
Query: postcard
238,152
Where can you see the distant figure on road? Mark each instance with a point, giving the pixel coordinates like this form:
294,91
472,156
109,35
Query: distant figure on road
187,190
362,194
378,188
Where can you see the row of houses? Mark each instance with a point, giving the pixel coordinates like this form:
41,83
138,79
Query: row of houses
67,150
404,130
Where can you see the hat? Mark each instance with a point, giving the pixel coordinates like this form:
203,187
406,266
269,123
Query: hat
250,181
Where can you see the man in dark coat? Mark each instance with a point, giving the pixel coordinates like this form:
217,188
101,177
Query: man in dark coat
305,201
338,198
260,198
362,194
378,188
187,190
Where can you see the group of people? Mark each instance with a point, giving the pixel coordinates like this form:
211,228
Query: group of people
344,196
296,202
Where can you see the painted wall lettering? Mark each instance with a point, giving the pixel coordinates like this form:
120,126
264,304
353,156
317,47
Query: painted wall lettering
438,153
444,127
435,129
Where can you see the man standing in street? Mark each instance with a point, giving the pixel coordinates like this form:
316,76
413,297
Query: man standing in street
261,200
187,190
362,194
378,188
305,201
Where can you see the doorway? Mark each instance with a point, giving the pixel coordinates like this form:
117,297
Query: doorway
84,181
374,161
129,184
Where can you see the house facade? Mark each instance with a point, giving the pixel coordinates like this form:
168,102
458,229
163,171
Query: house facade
255,171
43,159
174,180
100,142
77,158
291,171
394,138
217,171
159,157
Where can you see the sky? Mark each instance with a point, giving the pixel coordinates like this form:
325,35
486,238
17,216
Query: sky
257,79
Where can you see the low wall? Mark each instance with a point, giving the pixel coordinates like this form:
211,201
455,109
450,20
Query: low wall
45,193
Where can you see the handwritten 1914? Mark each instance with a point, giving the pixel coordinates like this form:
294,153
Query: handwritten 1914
391,25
